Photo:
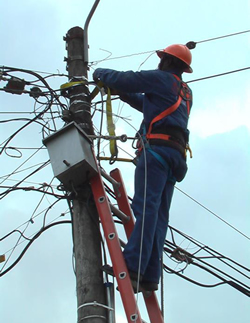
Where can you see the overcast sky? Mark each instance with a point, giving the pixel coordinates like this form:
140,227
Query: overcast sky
41,288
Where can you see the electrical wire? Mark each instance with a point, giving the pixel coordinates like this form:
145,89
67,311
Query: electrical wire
7,141
220,37
209,250
153,51
217,216
21,225
123,56
2,273
26,119
6,177
14,231
16,185
29,188
218,75
192,259
28,223
45,107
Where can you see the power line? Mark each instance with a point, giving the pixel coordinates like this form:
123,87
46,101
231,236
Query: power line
123,56
183,256
220,37
25,223
29,244
221,74
204,207
152,51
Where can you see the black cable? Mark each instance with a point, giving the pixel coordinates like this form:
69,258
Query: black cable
24,148
24,112
184,256
5,70
48,209
166,268
212,252
29,244
21,233
25,119
16,185
218,276
30,188
14,231
189,258
6,177
6,142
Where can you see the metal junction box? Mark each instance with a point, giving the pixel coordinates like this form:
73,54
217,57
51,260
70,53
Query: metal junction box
71,156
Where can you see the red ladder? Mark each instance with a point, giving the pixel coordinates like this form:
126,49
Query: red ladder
111,236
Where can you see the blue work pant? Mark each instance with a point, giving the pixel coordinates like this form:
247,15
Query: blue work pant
153,217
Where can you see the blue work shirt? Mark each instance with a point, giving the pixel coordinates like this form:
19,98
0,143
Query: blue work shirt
152,92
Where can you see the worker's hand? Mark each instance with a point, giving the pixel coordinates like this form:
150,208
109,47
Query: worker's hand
95,77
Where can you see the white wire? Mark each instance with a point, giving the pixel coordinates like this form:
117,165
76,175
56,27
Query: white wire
143,211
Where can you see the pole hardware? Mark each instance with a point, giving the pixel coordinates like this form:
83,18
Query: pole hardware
85,32
122,138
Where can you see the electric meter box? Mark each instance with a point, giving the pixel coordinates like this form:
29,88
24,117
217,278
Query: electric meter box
71,156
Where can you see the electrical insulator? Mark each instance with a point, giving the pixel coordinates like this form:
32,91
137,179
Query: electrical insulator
2,258
15,86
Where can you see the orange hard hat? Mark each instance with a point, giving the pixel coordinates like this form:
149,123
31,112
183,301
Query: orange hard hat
179,51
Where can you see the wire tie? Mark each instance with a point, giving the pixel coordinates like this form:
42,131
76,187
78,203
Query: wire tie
95,303
92,317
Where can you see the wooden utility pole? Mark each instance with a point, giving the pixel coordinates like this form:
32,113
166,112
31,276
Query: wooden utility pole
86,234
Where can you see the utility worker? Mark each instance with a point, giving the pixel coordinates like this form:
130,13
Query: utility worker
165,101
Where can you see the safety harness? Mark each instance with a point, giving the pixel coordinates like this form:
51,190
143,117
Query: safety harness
170,136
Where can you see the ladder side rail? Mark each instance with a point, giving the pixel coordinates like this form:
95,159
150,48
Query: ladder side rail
151,301
111,236
123,202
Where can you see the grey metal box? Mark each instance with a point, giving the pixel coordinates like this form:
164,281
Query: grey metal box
71,155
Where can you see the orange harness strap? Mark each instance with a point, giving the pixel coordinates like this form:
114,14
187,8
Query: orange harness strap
163,115
183,93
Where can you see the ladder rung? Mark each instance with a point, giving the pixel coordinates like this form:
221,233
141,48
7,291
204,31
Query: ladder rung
110,179
122,216
122,243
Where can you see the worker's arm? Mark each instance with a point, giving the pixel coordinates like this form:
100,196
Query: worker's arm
120,83
126,82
